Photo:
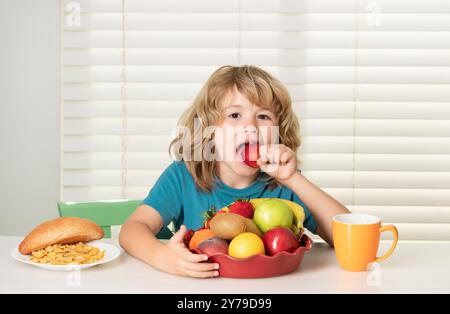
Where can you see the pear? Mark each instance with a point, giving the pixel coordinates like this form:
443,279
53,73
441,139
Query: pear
252,227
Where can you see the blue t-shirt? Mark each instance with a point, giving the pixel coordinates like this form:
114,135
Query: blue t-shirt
176,197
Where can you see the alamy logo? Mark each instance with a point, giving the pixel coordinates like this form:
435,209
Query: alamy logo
373,278
73,10
373,16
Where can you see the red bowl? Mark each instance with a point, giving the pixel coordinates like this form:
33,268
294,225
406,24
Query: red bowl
259,266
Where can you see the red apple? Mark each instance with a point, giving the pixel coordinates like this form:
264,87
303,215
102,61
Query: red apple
278,240
212,246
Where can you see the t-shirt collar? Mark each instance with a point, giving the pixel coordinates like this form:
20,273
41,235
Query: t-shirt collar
253,189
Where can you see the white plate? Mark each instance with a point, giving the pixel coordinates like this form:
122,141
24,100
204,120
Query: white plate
111,253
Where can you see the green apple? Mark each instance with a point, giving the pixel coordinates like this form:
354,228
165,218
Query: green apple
273,213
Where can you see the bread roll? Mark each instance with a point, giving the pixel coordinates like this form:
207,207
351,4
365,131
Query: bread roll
64,230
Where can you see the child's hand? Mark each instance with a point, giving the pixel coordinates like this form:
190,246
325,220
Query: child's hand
178,260
277,160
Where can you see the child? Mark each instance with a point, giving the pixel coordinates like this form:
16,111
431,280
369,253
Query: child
242,102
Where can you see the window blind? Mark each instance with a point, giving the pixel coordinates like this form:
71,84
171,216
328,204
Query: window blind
370,82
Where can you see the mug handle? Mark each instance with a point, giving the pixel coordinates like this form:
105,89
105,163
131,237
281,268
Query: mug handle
394,231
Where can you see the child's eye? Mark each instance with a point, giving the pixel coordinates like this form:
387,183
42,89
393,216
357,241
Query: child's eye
263,117
234,115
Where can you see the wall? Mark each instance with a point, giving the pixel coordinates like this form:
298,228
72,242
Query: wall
29,113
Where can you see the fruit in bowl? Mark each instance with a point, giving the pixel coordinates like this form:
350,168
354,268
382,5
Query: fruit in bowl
252,227
212,246
273,213
242,207
227,225
270,244
199,236
246,244
279,239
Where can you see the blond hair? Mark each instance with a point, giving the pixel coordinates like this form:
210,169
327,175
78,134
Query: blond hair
260,88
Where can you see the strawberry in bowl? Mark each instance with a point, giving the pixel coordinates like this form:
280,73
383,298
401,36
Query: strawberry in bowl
242,207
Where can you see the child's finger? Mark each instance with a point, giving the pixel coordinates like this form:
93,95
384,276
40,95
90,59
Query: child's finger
271,168
201,266
178,236
202,274
271,153
263,150
262,161
284,158
195,258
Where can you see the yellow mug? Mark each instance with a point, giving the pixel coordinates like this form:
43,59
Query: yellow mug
356,238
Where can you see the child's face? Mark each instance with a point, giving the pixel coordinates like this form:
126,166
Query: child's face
243,122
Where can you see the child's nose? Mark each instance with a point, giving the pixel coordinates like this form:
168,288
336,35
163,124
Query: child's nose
250,133
251,129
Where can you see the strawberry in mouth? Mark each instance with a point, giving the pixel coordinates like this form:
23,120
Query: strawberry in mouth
248,153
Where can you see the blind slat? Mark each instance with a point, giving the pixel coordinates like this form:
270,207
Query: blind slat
292,75
264,57
259,39
304,109
317,127
211,21
310,144
270,6
299,92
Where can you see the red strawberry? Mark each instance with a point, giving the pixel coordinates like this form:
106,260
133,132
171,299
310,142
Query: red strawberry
251,155
242,207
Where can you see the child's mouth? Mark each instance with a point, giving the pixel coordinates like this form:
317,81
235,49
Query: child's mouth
248,153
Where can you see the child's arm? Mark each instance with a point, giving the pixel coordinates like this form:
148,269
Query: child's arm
137,237
281,163
321,205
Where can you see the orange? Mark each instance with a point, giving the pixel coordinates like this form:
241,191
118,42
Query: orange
199,237
246,244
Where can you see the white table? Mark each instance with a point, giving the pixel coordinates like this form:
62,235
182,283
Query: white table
415,267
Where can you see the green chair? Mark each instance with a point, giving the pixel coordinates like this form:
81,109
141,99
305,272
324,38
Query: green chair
106,214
